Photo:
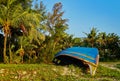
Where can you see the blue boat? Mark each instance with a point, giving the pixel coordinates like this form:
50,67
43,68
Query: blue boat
79,55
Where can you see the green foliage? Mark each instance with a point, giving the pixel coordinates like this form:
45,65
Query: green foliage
91,38
33,35
56,27
18,17
108,44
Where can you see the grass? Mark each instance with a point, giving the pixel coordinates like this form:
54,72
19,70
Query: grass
45,72
118,66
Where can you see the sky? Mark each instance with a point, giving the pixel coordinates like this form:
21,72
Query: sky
83,15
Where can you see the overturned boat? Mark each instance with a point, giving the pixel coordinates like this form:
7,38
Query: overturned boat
79,56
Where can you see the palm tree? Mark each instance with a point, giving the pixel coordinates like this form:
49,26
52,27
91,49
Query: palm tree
12,15
102,42
112,45
7,13
91,37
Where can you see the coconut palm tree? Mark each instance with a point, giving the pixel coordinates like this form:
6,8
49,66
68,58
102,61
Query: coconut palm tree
91,37
12,15
112,44
102,42
7,13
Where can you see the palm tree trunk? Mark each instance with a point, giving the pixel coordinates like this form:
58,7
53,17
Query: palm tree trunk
6,32
10,54
4,50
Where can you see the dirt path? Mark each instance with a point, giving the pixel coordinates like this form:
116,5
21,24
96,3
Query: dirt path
110,65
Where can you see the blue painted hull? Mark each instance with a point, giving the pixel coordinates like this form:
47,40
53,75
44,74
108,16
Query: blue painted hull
86,54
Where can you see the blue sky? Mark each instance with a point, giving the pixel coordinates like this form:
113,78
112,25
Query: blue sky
85,14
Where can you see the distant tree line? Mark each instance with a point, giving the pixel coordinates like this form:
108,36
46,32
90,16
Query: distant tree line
31,34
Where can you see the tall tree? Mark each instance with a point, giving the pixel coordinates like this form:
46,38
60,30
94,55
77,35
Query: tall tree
12,15
56,27
112,45
7,13
102,42
91,37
